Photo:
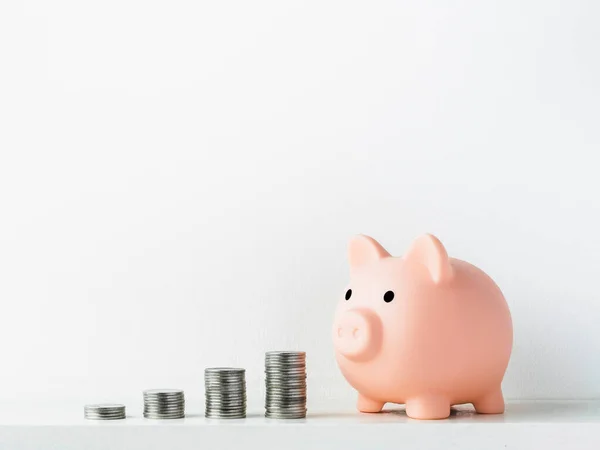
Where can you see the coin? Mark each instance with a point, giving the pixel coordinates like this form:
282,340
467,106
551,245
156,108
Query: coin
225,389
164,404
285,382
106,411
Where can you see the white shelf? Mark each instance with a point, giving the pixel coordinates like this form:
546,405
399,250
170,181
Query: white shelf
525,425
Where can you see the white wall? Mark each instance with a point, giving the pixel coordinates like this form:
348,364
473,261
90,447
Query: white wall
178,180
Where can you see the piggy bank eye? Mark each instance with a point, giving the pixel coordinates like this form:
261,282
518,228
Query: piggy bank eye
388,296
348,294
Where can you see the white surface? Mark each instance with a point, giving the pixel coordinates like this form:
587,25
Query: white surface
525,425
180,179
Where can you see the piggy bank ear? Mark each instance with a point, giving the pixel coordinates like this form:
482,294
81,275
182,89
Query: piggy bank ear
363,250
429,251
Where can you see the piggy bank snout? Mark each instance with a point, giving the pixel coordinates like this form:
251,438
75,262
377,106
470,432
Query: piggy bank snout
357,334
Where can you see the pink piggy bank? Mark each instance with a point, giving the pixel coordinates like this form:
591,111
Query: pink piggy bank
423,330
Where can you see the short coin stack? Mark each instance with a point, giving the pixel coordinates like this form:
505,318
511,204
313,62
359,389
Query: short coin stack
107,411
225,393
285,385
164,404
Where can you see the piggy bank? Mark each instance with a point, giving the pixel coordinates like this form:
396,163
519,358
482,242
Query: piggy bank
423,330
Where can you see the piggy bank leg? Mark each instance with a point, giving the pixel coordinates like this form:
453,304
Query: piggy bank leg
367,405
492,403
428,407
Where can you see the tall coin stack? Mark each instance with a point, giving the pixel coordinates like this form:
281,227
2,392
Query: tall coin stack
225,393
104,412
164,404
286,385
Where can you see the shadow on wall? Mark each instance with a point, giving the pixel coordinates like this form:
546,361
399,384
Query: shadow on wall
552,358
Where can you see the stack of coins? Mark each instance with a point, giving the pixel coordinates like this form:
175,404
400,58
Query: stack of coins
225,393
105,411
286,385
164,404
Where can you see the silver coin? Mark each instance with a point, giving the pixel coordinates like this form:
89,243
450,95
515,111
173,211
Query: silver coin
279,402
164,413
163,392
217,404
284,360
164,399
221,416
285,367
104,411
182,416
149,401
275,396
284,363
226,412
226,402
163,410
109,415
224,381
164,403
285,416
284,396
214,407
225,389
283,406
104,416
101,416
217,389
230,412
227,396
225,406
281,399
287,390
289,412
224,371
287,386
285,382
224,376
285,353
159,407
285,373
105,406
